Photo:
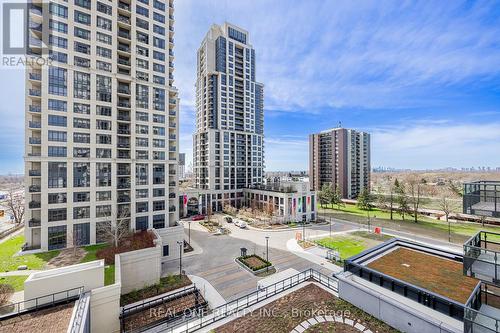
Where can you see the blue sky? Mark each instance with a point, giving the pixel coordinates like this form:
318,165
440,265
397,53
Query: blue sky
422,76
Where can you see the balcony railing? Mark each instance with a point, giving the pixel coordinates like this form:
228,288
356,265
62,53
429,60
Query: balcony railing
34,222
36,173
123,48
124,34
34,188
35,108
35,76
123,5
124,104
34,124
123,19
482,256
34,204
35,141
35,92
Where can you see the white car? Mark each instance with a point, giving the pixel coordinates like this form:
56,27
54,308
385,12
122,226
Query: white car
240,223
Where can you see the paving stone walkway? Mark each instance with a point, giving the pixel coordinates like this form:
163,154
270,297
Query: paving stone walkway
306,324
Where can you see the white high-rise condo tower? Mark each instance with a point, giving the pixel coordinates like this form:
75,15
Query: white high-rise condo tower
101,121
229,139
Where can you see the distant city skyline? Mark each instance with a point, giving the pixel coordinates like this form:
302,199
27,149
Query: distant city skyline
422,78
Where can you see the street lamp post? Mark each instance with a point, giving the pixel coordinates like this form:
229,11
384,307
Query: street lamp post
267,252
180,256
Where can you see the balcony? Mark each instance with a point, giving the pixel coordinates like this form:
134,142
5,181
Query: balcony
123,199
172,137
124,19
124,48
35,76
124,34
124,6
171,209
124,62
124,131
482,256
34,204
35,173
35,108
35,141
123,172
123,186
35,92
171,195
34,124
171,184
172,113
34,222
34,188
172,125
124,90
123,104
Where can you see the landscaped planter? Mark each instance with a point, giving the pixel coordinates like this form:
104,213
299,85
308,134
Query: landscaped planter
254,264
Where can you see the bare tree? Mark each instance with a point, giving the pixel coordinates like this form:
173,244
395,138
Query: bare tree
117,229
447,206
15,205
415,191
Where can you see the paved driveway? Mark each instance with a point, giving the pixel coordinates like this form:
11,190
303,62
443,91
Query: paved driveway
216,264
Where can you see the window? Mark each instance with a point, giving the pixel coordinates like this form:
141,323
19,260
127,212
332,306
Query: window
141,142
143,51
158,143
103,66
81,152
159,99
142,23
82,48
57,136
159,79
104,38
103,195
57,151
103,110
103,174
158,17
81,174
56,237
81,85
81,138
57,81
159,5
159,55
158,205
58,41
103,153
58,214
158,174
141,116
81,212
142,37
103,88
103,8
141,174
141,223
158,192
83,3
81,62
81,123
82,18
159,68
81,232
159,221
142,96
57,198
165,250
103,139
58,10
82,33
158,118
141,129
57,120
141,207
58,26
58,56
158,130
103,52
142,193
104,23
103,211
103,230
103,125
81,197
56,175
81,108
57,105
142,11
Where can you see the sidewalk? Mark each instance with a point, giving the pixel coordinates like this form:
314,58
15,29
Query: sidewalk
296,249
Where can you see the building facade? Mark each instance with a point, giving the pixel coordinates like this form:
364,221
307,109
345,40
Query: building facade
228,146
101,121
340,157
182,166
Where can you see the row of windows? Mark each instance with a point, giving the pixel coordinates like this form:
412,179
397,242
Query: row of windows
60,214
82,152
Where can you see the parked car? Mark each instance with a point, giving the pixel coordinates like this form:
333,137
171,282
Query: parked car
198,217
241,224
228,219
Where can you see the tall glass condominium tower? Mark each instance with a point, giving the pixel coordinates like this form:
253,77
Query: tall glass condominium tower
101,120
229,139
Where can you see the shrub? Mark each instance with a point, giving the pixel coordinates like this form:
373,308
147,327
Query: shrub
6,291
136,241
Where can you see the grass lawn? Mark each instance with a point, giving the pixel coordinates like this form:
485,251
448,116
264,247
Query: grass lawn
109,270
17,281
435,227
9,262
347,246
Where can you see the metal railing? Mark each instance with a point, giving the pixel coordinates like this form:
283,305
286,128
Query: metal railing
484,253
241,303
81,318
38,303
